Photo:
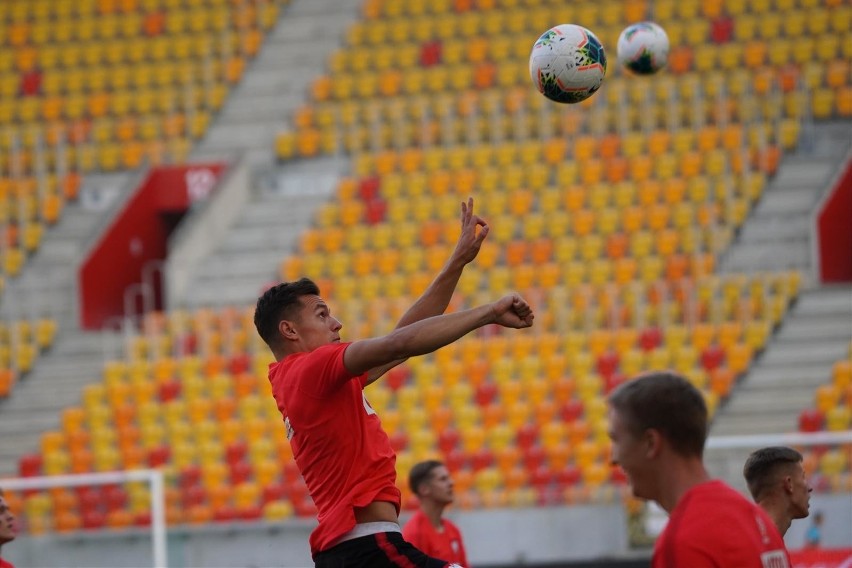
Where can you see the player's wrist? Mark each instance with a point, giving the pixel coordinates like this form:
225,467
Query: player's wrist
456,263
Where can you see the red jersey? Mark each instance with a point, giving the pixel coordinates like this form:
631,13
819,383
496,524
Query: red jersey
4,564
342,452
714,526
445,545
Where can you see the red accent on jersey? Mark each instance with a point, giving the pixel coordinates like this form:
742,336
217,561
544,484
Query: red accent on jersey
342,452
714,526
4,564
446,545
392,553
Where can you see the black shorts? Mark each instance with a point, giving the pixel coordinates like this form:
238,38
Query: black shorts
380,550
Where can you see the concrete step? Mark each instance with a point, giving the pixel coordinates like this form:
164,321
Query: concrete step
805,328
245,136
802,175
256,107
318,9
784,377
767,423
775,227
237,263
39,407
768,256
782,201
67,365
87,344
294,51
22,421
826,302
791,399
796,353
249,239
274,83
272,213
228,292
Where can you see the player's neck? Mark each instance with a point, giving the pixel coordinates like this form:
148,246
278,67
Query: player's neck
433,511
777,511
680,476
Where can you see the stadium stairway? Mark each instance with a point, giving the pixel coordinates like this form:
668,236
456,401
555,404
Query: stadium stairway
277,81
266,229
777,235
284,197
817,330
813,336
48,285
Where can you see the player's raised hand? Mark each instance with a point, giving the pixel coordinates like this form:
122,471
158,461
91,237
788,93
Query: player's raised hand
513,311
470,239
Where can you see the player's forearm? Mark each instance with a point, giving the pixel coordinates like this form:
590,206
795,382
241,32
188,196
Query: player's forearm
437,296
432,333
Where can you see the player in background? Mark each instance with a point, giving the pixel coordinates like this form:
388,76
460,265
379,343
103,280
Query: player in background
813,535
7,529
427,529
658,427
338,443
777,482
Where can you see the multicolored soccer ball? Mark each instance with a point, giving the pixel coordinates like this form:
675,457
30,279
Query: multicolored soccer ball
643,48
567,64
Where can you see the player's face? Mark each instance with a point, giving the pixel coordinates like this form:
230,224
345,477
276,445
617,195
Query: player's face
440,487
7,523
801,497
629,454
316,325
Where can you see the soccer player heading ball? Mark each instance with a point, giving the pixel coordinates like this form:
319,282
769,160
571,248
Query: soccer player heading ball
338,443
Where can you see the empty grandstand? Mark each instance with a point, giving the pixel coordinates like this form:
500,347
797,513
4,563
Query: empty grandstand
164,161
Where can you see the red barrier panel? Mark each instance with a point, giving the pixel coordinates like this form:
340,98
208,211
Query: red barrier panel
834,228
819,558
138,236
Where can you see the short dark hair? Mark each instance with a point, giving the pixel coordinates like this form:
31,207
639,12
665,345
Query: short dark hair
421,473
666,402
763,466
278,303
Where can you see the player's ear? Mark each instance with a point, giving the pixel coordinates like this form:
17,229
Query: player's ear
787,483
287,330
652,441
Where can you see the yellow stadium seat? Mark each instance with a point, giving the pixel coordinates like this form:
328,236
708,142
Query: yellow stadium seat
839,418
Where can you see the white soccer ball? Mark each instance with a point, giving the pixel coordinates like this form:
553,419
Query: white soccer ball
567,64
643,48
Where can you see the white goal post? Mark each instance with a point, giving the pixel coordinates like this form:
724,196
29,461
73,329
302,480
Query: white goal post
153,477
794,439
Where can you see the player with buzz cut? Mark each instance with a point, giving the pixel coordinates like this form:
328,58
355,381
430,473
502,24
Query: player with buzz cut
343,454
776,480
427,529
658,427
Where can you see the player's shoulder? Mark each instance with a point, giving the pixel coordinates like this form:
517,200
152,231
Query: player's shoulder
710,504
715,491
310,361
451,525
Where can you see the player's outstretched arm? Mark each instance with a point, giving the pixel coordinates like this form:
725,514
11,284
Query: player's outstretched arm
430,334
436,298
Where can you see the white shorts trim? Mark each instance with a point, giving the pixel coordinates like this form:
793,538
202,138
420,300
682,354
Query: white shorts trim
366,529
